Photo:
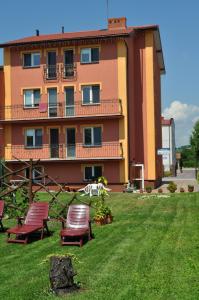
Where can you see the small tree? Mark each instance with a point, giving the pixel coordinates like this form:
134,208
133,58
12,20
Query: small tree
194,141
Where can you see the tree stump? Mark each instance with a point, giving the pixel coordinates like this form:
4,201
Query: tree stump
61,275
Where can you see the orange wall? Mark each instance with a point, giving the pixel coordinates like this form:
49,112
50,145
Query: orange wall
2,99
106,74
137,95
137,103
72,172
159,165
2,87
110,130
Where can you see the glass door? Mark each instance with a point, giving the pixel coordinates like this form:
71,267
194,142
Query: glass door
68,63
52,102
54,143
70,142
51,62
70,106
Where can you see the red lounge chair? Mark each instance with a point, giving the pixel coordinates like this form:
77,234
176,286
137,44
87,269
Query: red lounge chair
77,225
1,213
35,220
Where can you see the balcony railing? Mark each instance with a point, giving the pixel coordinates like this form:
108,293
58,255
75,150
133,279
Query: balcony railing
51,72
69,71
54,72
61,110
78,151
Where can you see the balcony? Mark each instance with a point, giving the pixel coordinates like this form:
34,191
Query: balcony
55,72
107,150
51,72
112,107
69,72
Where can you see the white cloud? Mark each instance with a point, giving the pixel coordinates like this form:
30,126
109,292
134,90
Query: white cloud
185,115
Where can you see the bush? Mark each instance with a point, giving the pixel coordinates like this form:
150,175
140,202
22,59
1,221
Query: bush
160,190
182,190
17,203
190,188
148,189
172,187
167,174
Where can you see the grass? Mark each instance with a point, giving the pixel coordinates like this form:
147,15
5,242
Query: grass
150,251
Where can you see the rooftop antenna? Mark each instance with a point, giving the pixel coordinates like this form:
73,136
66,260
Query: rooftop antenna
107,8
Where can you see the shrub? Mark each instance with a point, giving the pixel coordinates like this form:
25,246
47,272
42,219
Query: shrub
182,190
148,189
103,180
160,190
190,188
167,174
17,203
172,187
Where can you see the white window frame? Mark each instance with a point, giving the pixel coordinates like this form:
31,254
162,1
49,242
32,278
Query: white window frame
34,139
32,54
91,94
92,137
32,98
89,52
93,171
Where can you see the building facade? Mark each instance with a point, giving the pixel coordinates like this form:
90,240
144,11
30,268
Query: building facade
86,104
168,145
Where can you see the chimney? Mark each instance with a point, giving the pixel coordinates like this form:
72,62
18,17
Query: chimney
117,23
62,29
37,32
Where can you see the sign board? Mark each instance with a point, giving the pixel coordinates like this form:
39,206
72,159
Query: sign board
163,151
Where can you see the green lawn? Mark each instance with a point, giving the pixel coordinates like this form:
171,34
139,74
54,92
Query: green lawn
150,251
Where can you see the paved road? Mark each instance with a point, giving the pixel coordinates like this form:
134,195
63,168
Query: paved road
187,174
182,180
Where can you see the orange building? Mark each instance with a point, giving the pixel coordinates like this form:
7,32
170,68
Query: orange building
85,103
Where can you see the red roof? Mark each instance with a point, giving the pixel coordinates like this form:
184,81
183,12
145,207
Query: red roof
77,35
166,122
86,35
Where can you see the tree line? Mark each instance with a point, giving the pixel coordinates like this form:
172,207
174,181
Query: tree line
190,153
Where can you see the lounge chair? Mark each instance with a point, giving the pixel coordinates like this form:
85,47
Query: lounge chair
36,220
77,226
1,214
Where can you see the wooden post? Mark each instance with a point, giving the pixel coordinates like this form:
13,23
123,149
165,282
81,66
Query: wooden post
30,194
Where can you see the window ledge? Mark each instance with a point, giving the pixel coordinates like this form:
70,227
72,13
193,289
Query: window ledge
31,67
33,147
31,107
90,104
89,63
92,146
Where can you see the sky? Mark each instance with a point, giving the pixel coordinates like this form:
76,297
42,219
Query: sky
179,29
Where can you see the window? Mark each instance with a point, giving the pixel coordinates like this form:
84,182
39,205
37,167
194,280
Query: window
31,98
52,102
36,173
70,105
92,172
93,136
91,94
33,138
31,59
89,55
51,65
